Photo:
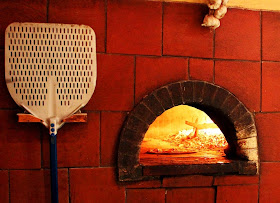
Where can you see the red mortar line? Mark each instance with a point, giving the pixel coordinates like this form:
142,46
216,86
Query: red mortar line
182,187
41,145
147,188
128,111
167,55
216,192
84,111
99,139
186,56
171,187
237,60
126,185
267,112
191,57
69,191
134,81
214,72
179,56
125,196
9,186
214,43
261,97
111,111
127,54
162,17
102,111
11,109
188,70
270,61
261,54
22,169
47,10
90,111
213,78
89,167
106,23
46,168
165,196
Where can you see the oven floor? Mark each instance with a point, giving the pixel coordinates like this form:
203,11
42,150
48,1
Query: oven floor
204,162
206,157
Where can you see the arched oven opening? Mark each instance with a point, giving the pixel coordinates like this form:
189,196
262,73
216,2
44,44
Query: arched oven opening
188,127
187,134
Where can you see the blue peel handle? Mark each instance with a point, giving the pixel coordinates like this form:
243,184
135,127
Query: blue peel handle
53,164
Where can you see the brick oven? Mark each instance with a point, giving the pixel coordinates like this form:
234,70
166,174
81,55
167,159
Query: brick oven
231,116
149,48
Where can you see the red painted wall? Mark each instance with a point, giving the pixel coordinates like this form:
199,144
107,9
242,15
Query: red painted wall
142,46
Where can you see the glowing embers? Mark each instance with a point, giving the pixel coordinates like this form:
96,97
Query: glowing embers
184,131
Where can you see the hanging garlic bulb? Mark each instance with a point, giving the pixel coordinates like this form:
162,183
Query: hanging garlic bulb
220,12
217,11
211,22
214,4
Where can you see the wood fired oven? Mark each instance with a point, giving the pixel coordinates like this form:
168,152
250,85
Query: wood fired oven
210,133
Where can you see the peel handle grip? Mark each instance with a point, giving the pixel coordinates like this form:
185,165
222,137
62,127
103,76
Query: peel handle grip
53,166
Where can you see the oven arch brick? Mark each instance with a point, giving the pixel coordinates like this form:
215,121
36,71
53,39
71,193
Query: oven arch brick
187,92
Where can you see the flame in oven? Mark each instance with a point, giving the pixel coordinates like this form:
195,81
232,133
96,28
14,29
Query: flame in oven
183,130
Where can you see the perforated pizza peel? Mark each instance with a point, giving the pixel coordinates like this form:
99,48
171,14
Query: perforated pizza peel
50,71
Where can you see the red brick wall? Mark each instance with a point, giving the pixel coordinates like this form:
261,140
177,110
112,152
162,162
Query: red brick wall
142,46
